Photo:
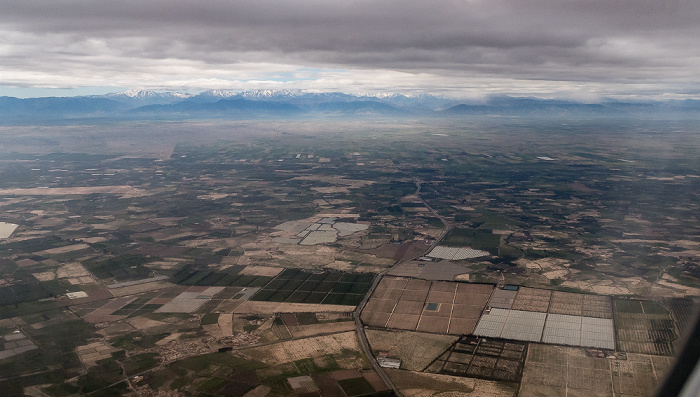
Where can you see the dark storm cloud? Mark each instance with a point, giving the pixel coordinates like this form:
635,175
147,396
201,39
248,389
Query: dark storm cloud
570,42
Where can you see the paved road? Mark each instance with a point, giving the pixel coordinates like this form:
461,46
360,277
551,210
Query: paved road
364,344
448,226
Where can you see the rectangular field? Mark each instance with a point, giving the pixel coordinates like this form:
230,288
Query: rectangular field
484,358
328,288
644,327
547,328
532,299
427,306
566,371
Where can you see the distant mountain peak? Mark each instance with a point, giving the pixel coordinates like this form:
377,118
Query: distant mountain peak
145,94
216,94
270,93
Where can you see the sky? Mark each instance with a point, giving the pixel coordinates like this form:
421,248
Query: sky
573,49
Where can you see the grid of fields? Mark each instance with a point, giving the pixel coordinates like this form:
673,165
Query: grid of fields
330,288
425,306
683,310
644,327
483,358
555,302
564,371
456,253
548,328
532,299
512,324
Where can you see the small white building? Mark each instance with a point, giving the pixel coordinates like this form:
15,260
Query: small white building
386,362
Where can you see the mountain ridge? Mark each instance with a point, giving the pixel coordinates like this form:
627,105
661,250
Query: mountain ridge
144,104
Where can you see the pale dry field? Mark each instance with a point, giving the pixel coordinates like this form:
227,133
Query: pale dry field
93,352
142,323
137,289
418,384
267,252
225,324
6,229
93,240
253,270
44,276
303,331
415,349
72,270
287,307
284,352
63,250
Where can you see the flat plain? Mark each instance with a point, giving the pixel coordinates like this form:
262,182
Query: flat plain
592,218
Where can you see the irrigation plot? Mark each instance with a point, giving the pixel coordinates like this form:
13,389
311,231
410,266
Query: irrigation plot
328,288
547,328
484,358
565,371
644,327
426,306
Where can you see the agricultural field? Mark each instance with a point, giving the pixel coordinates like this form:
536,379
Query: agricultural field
327,288
557,371
416,350
644,327
482,358
418,384
302,325
594,219
426,306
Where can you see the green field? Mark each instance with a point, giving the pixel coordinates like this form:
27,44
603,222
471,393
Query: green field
331,288
473,238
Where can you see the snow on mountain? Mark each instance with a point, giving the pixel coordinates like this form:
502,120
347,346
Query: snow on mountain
269,94
146,97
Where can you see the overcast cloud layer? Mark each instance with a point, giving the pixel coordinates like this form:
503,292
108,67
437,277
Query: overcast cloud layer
583,49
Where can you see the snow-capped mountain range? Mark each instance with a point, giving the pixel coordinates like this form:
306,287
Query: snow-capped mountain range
144,104
155,97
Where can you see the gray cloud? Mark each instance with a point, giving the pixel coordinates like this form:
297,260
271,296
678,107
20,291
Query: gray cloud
602,47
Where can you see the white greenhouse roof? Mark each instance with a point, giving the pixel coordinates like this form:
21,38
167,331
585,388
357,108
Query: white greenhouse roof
559,329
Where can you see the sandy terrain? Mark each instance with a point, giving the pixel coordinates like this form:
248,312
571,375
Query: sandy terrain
303,331
307,257
285,352
63,250
44,276
261,271
417,384
556,274
141,323
72,270
226,324
136,289
93,240
6,229
162,264
416,350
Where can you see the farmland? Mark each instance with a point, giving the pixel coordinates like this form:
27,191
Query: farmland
329,288
221,258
